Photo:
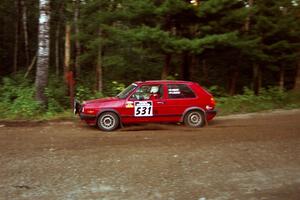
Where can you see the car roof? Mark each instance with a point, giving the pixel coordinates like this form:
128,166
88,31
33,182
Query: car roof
163,82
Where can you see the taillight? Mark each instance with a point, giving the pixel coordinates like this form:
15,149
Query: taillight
212,101
211,104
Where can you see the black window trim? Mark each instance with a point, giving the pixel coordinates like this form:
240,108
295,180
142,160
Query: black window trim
168,95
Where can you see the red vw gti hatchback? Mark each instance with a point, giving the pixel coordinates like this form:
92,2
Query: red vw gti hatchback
150,101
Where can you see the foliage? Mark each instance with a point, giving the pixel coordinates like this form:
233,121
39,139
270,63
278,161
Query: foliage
217,91
85,93
17,99
56,93
115,88
270,98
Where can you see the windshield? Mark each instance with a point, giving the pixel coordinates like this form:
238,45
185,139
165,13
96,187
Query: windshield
127,91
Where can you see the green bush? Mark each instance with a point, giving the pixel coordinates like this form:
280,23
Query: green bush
217,91
17,98
270,98
56,92
116,88
113,88
85,93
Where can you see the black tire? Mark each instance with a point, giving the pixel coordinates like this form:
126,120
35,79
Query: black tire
108,121
194,118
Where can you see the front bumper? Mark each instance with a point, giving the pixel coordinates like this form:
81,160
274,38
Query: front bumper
87,117
77,107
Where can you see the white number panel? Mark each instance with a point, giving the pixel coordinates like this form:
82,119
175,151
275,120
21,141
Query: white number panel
143,108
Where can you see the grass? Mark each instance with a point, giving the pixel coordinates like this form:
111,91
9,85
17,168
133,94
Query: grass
271,99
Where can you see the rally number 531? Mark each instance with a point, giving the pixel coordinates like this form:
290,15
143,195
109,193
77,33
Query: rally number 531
143,108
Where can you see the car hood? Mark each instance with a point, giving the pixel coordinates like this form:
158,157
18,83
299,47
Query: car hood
101,100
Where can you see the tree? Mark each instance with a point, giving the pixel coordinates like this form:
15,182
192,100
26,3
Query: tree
25,30
228,21
67,57
277,25
16,43
77,42
99,70
297,79
43,52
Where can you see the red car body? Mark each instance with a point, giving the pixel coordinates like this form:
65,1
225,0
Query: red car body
151,101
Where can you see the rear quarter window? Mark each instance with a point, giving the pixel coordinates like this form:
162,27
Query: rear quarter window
177,91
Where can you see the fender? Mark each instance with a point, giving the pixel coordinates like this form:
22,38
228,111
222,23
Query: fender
110,110
192,108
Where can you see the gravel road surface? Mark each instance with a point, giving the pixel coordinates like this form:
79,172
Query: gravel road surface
254,156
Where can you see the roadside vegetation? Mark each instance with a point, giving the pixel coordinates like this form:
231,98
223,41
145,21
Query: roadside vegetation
17,99
268,99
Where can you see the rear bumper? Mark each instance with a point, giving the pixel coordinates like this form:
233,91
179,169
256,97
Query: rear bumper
210,114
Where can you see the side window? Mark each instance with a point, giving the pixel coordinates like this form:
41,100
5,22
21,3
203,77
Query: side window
147,92
176,91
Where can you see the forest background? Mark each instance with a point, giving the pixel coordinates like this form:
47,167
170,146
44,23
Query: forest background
246,52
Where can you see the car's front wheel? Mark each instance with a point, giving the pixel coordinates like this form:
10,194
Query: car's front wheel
194,119
108,121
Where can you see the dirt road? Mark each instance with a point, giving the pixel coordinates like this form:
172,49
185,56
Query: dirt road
245,157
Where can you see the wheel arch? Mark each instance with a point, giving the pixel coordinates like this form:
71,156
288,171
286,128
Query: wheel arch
190,109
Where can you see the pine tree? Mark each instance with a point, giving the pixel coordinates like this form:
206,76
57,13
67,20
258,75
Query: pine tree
277,25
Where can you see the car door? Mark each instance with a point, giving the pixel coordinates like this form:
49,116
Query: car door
144,105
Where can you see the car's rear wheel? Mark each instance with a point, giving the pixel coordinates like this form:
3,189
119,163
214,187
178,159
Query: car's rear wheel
108,121
194,118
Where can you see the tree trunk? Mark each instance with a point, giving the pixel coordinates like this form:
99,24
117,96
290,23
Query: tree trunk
77,43
16,45
193,66
257,76
57,44
248,19
205,72
297,81
166,67
99,66
25,29
67,52
281,77
185,67
256,68
41,80
30,67
233,80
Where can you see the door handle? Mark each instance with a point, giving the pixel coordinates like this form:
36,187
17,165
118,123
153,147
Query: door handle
161,102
